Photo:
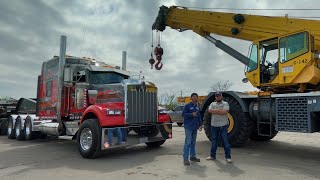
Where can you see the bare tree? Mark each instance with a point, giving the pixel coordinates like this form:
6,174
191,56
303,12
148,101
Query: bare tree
168,100
220,86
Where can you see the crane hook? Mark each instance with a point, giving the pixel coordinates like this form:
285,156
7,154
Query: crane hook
158,65
151,61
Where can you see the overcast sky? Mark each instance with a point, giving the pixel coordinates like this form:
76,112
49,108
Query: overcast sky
30,33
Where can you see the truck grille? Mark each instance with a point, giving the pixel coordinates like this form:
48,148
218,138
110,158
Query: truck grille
141,107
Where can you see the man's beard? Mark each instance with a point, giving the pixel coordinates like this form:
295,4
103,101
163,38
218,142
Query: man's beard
219,100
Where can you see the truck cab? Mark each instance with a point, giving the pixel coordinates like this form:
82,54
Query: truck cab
94,103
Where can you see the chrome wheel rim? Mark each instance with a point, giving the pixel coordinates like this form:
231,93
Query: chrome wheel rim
27,129
9,127
86,139
17,129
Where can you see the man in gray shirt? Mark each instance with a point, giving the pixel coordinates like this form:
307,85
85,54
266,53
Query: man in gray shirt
219,126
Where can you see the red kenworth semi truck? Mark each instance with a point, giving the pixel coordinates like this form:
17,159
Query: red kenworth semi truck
99,105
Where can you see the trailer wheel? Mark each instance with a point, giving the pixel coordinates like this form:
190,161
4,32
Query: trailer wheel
240,125
10,129
89,138
155,144
179,124
18,130
29,135
4,124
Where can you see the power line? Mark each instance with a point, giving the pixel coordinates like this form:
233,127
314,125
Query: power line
256,9
84,34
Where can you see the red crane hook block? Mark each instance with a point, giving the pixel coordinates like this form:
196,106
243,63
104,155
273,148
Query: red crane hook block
158,65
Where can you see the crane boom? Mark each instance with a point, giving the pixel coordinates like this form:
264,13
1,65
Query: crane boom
240,26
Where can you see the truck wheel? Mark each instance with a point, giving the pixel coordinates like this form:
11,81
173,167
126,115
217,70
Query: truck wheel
240,125
89,138
179,124
18,130
155,144
10,129
29,135
4,124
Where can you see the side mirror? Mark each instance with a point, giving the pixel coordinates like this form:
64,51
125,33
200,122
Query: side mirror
92,94
245,80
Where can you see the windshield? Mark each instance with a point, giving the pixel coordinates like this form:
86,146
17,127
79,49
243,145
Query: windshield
106,77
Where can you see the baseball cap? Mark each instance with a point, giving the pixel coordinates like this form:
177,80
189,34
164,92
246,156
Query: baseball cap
194,94
218,93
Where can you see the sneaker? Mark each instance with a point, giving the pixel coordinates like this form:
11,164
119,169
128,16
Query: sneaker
194,159
229,160
210,158
186,162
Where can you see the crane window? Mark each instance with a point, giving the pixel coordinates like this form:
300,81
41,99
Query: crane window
293,46
253,64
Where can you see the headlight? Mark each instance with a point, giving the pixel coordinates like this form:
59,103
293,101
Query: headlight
113,112
162,111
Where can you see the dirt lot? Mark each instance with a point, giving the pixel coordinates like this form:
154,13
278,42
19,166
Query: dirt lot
288,156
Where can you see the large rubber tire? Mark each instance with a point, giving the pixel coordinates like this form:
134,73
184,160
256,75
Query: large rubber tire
89,127
28,133
4,124
179,124
18,130
155,144
10,129
242,127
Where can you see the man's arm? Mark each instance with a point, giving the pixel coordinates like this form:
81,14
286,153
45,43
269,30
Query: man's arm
220,111
223,111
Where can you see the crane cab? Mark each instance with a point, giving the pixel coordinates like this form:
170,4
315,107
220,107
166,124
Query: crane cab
285,60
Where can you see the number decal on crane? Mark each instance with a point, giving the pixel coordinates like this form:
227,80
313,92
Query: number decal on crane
303,61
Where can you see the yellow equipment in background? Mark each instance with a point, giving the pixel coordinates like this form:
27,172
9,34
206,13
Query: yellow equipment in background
186,99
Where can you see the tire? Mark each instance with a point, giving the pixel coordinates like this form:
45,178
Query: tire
4,124
179,124
10,129
242,127
155,144
19,132
29,135
89,128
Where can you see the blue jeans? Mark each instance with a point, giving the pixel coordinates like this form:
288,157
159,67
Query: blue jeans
190,144
110,135
223,132
124,132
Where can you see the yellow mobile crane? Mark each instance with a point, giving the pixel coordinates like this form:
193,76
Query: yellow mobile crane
283,64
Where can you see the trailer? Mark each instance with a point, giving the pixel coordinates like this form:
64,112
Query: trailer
7,107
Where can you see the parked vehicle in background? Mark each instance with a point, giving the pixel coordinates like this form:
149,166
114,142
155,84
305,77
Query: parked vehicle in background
176,115
7,107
